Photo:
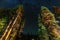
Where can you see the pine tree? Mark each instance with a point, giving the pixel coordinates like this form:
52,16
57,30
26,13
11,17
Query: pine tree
42,32
49,22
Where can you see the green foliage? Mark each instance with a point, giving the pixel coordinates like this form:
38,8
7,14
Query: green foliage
2,24
42,32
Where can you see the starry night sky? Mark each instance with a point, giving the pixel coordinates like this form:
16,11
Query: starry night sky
31,10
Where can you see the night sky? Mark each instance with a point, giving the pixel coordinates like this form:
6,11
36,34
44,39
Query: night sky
31,10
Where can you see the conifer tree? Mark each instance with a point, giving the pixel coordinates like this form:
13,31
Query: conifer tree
50,23
42,32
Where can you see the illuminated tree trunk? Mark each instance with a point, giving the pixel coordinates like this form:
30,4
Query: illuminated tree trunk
14,25
19,23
